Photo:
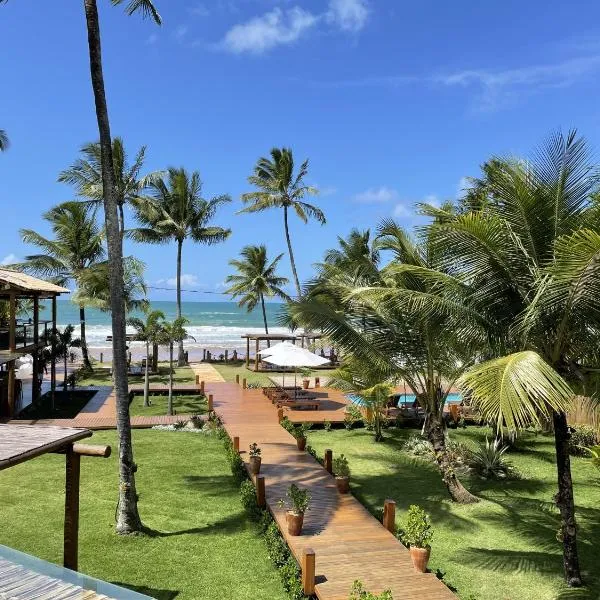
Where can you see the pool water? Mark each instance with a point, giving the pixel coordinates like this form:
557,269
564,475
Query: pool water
409,399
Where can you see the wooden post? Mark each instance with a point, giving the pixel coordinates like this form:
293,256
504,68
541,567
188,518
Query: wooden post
280,414
71,532
261,498
197,379
328,461
244,383
12,346
210,402
53,350
236,443
102,358
226,353
256,355
35,387
202,387
317,382
203,354
308,571
247,352
389,515
237,379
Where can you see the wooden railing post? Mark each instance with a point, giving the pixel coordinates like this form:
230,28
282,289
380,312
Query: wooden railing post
244,383
101,357
210,402
261,498
328,461
308,571
280,414
236,443
237,379
71,531
197,379
389,515
202,387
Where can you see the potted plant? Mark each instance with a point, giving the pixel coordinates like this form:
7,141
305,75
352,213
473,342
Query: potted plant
341,468
297,503
300,434
255,459
306,373
417,535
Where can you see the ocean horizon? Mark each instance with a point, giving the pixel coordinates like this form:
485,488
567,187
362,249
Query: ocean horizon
213,325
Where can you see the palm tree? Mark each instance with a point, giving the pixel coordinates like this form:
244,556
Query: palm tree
4,143
148,331
278,187
171,332
86,175
175,210
74,251
529,252
128,519
256,278
369,384
396,320
62,342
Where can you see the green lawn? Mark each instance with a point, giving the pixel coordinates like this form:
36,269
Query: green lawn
182,405
181,375
503,548
203,548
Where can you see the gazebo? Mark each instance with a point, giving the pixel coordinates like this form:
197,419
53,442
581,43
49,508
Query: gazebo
21,337
263,337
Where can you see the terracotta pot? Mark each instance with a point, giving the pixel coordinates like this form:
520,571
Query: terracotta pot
305,383
343,484
295,522
301,442
420,558
255,465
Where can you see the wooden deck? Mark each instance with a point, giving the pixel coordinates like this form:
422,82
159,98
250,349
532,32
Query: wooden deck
348,542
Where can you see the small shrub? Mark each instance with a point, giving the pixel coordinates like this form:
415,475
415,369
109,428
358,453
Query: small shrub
301,430
582,437
254,450
489,462
179,424
358,592
288,425
297,499
327,425
276,547
248,500
417,530
290,577
238,470
341,468
254,385
352,415
418,446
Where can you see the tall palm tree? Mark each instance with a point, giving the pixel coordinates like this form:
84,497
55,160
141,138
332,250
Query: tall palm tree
128,519
529,251
175,210
148,331
85,174
256,278
4,142
279,187
170,333
75,250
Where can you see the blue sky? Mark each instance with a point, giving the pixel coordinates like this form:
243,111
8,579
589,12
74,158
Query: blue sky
393,102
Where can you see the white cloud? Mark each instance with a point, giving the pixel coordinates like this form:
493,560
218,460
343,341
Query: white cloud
181,32
348,15
272,29
200,10
377,195
401,210
187,279
9,259
328,190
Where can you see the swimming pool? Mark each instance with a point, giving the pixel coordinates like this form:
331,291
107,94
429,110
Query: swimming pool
409,399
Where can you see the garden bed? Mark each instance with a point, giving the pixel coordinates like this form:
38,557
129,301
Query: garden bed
67,405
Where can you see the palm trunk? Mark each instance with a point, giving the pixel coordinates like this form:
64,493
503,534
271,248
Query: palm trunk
147,376
289,245
264,314
565,501
84,348
170,403
66,370
128,519
434,429
121,222
180,353
154,357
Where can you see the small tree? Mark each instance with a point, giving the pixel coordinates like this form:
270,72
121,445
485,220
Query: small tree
170,333
148,331
63,342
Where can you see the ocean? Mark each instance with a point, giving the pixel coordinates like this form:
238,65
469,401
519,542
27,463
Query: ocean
214,325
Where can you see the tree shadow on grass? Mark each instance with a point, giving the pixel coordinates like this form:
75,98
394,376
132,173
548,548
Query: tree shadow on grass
148,591
232,524
210,485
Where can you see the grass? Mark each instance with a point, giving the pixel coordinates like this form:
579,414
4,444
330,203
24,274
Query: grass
203,546
229,371
182,405
503,548
102,377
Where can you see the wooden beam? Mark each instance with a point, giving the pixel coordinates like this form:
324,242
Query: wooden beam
92,450
247,352
308,571
389,515
256,355
71,532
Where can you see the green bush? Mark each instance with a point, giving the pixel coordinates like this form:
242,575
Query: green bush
248,500
417,530
238,470
582,437
358,592
276,547
291,578
489,462
341,468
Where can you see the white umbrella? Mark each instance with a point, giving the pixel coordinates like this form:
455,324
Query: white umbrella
276,348
290,355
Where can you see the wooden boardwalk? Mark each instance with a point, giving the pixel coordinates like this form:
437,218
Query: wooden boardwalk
349,543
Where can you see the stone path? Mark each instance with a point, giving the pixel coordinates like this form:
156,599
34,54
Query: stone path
206,372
